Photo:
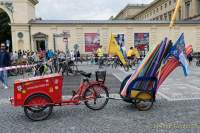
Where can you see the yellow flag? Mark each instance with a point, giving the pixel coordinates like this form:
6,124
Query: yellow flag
114,49
175,13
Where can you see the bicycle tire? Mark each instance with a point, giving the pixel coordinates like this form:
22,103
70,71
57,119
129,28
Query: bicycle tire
38,109
93,91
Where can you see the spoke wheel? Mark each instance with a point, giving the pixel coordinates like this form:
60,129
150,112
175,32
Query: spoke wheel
96,97
37,107
144,101
126,68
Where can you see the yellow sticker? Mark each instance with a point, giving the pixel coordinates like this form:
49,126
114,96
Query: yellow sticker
28,83
56,88
23,91
51,90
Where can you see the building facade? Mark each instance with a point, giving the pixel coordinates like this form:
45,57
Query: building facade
129,11
163,10
28,33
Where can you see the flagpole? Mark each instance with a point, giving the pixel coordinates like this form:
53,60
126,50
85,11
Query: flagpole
178,5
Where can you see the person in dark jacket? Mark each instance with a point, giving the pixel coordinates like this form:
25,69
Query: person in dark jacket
4,62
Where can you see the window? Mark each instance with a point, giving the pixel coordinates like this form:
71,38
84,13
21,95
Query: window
165,5
165,16
187,9
161,17
170,15
154,11
161,8
174,1
157,9
179,17
170,2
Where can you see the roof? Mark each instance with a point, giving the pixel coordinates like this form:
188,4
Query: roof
147,7
131,5
109,22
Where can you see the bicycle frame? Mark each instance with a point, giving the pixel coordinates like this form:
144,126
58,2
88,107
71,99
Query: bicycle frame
79,96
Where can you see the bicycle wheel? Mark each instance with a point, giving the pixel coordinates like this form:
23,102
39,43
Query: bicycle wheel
126,68
126,99
144,101
132,65
37,107
73,69
96,97
198,63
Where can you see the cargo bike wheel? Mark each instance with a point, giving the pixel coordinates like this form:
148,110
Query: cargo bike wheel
144,101
96,97
38,107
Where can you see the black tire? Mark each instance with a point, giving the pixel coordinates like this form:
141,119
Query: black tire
198,63
126,68
92,102
38,113
143,104
132,65
73,69
128,100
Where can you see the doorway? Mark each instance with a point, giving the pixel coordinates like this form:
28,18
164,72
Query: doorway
5,30
40,45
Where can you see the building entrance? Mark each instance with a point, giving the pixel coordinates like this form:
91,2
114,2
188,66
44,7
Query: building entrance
5,30
40,45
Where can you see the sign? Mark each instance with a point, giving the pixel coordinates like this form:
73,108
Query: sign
141,41
92,42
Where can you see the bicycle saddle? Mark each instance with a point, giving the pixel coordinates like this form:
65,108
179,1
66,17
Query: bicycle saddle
85,74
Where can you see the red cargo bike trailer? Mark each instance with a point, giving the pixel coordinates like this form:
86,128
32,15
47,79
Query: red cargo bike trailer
38,95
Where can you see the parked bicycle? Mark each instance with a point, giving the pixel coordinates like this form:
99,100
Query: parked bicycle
68,67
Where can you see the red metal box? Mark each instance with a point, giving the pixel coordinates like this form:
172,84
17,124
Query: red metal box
50,85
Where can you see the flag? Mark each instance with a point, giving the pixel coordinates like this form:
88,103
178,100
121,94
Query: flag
114,49
175,13
178,47
179,52
184,63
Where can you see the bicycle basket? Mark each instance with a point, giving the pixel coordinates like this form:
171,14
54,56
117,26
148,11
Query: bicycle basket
100,76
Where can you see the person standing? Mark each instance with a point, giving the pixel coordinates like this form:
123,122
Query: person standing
4,62
190,58
99,53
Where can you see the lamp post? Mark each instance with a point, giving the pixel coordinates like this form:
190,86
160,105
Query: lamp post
55,35
66,35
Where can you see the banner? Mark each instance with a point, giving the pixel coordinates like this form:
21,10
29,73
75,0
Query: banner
120,41
92,42
141,40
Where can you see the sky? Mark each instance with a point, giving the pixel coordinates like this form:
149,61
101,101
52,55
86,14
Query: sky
82,9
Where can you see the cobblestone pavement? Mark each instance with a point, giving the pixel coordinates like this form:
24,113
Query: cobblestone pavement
175,110
179,117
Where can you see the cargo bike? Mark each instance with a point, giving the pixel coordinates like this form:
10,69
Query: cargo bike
38,95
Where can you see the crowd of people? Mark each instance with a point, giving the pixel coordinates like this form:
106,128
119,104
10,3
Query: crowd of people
24,57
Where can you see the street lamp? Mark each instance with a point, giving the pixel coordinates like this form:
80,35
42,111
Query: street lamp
55,35
65,36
